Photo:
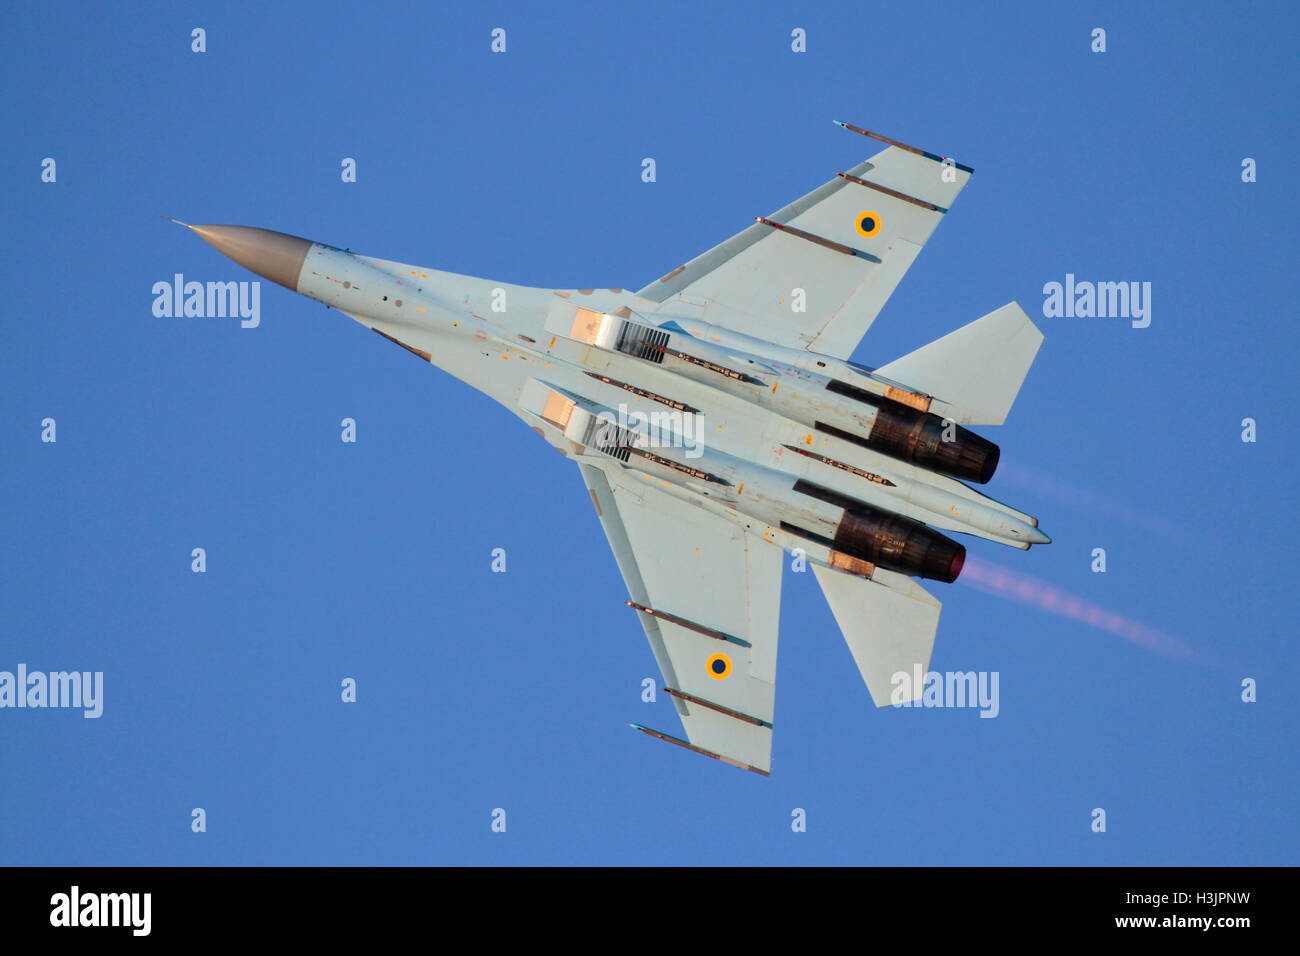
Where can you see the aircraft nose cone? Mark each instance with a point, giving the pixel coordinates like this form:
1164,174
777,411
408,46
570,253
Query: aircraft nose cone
272,255
1037,537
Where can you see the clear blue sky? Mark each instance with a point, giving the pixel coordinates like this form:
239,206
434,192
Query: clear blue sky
480,690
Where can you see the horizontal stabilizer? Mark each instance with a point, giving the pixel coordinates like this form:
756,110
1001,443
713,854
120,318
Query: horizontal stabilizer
889,622
975,372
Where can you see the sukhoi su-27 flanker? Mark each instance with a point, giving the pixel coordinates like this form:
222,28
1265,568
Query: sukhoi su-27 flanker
717,422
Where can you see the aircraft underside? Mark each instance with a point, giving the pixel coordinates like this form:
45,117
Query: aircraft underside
717,423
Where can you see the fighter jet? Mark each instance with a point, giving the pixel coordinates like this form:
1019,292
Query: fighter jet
717,422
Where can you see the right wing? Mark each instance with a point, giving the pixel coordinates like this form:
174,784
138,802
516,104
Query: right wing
708,593
818,244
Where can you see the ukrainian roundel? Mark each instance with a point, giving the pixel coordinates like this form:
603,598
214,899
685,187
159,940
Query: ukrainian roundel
868,224
719,666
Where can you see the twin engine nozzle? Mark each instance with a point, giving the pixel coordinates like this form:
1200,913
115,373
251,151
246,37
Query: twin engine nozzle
921,438
891,540
899,543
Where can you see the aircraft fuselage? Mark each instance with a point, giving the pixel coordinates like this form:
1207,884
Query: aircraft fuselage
817,453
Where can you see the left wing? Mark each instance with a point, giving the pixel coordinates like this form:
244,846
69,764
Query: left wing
846,245
708,593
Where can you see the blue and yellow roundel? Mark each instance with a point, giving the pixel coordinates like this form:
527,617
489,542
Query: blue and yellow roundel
718,666
867,224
